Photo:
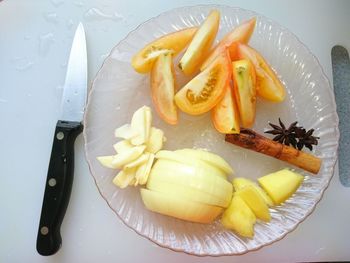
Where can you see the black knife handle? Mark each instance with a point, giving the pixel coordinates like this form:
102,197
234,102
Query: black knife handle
58,187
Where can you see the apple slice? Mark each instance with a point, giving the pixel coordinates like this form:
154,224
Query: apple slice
281,185
106,161
163,88
124,178
141,122
125,132
128,156
205,90
241,33
143,158
254,200
173,43
268,86
155,141
200,44
245,91
122,146
239,217
144,170
179,207
225,115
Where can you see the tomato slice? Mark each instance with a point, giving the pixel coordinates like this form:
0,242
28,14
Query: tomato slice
163,88
241,33
245,91
174,42
200,44
205,90
268,84
225,115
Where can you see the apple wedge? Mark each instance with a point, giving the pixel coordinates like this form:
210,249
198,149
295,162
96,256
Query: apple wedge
125,132
155,141
173,43
106,161
124,178
200,44
144,170
245,91
268,84
122,146
141,122
241,33
163,88
126,157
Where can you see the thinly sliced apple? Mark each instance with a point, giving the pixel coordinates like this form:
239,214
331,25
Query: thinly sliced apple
241,33
124,178
128,156
141,122
200,44
173,43
208,157
190,160
179,207
205,90
143,158
225,115
122,146
268,86
106,161
126,132
142,173
245,91
163,88
155,141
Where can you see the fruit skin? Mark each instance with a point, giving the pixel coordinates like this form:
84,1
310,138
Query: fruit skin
200,44
206,89
256,203
179,207
244,83
239,217
281,185
163,88
269,86
225,115
173,43
240,182
241,33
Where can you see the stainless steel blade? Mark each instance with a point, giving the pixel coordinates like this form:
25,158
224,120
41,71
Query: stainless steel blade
75,87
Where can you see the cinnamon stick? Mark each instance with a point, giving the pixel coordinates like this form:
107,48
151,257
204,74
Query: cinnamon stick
253,141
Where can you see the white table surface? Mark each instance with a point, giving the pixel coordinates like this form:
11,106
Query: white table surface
35,39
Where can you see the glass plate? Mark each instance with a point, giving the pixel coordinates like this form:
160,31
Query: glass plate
118,91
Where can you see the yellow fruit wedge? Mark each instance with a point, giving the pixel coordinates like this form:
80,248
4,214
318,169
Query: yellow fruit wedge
256,203
122,146
128,156
106,161
124,178
179,207
195,176
239,217
173,43
155,141
139,161
141,123
125,132
200,44
144,170
189,193
193,161
281,185
240,182
210,158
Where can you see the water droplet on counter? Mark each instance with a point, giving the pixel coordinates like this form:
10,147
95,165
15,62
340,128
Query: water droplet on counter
51,18
22,63
95,14
45,43
57,3
70,23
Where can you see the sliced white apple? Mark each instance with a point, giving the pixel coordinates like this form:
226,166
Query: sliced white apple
125,132
143,171
141,122
155,141
179,207
122,146
128,156
208,157
124,177
106,161
139,161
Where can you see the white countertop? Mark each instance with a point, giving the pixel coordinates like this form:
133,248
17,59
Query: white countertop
35,39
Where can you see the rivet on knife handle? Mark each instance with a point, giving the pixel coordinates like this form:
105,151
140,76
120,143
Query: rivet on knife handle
58,187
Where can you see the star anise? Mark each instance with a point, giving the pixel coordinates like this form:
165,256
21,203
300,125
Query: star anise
283,135
295,135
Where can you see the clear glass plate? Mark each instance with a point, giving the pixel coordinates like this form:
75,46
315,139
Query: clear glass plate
118,91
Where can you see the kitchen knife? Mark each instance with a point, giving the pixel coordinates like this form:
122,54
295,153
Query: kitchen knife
61,167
